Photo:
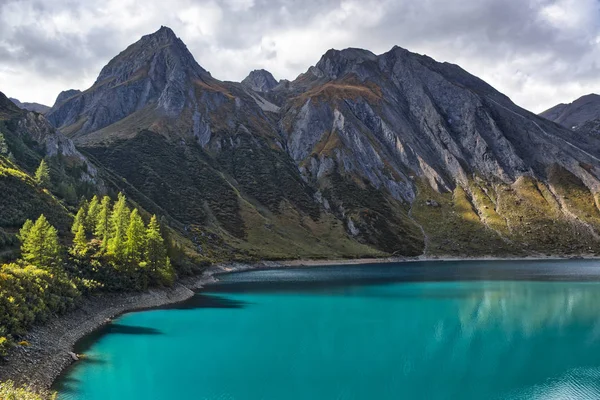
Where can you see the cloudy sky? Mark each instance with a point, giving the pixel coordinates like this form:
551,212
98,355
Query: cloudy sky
538,52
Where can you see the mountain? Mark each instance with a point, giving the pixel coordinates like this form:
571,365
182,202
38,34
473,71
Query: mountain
260,80
65,95
577,113
361,155
36,107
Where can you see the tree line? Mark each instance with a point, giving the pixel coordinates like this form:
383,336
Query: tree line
111,249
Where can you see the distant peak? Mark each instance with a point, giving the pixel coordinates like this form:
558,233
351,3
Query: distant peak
260,80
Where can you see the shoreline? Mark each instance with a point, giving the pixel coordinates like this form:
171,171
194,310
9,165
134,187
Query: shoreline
50,346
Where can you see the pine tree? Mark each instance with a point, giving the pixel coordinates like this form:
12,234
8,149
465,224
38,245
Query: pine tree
79,221
93,211
102,230
3,146
80,244
119,222
156,253
40,247
136,238
42,174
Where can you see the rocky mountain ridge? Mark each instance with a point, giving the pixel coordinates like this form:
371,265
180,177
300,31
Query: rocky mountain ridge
361,142
36,107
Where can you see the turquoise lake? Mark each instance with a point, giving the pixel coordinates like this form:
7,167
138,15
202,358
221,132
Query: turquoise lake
423,330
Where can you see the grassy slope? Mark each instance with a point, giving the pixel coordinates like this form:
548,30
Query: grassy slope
527,217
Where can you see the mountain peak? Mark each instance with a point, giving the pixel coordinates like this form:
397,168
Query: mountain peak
575,114
335,63
65,95
141,56
260,80
154,73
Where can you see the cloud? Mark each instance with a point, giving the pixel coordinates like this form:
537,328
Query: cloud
538,52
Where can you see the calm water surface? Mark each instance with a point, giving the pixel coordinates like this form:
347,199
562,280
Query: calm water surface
446,330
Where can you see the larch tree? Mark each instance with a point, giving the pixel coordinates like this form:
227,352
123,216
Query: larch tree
42,174
102,230
79,221
91,218
80,244
40,247
24,231
119,222
156,253
136,238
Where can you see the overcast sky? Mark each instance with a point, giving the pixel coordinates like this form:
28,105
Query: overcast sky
538,52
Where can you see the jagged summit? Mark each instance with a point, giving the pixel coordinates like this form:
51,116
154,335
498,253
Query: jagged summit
154,74
335,63
143,56
260,80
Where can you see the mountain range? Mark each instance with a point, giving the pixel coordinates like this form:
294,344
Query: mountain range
36,107
362,155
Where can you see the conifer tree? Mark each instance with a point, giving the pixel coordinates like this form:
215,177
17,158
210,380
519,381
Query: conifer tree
40,247
119,222
136,238
24,231
80,244
102,230
156,254
42,174
91,218
79,220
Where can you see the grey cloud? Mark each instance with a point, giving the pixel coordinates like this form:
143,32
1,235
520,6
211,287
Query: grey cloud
510,37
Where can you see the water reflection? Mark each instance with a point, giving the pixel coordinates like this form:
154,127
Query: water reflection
528,308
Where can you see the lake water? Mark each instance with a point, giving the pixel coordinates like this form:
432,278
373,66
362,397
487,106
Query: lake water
435,330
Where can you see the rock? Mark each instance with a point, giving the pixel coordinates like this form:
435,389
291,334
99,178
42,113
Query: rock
260,80
432,203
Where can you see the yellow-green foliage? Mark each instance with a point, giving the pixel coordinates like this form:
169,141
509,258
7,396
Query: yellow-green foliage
483,196
31,295
575,196
454,226
536,221
8,391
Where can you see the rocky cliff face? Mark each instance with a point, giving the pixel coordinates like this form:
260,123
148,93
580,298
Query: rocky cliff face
155,73
395,153
34,129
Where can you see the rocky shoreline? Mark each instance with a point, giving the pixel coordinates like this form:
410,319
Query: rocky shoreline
50,347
